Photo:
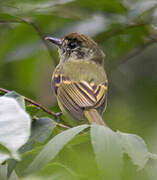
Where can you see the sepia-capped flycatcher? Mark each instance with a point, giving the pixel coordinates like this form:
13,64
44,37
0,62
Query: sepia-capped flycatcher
79,81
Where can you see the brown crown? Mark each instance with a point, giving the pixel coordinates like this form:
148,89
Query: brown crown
83,38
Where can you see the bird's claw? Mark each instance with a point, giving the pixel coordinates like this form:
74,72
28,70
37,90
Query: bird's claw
58,116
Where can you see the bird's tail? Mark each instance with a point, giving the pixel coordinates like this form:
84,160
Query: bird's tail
92,116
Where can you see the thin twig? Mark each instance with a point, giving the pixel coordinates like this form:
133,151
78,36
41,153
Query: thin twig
37,30
39,106
42,36
131,54
34,103
137,51
111,33
152,35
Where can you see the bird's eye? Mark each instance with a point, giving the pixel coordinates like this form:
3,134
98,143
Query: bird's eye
72,45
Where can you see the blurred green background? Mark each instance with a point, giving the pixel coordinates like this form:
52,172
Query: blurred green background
124,29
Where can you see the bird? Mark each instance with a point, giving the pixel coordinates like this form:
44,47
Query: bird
79,80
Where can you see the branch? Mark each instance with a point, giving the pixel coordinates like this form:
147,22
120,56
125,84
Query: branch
152,35
103,36
38,31
133,53
41,35
39,106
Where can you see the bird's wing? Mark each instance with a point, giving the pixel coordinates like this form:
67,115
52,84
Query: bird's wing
75,96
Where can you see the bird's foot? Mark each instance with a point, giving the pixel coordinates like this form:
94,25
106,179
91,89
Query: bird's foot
58,116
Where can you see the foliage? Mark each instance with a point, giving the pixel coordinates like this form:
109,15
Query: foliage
126,31
108,147
17,134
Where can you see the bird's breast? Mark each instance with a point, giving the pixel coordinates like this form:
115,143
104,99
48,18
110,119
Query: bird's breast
79,70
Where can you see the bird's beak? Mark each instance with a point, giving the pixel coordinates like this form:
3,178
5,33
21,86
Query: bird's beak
56,41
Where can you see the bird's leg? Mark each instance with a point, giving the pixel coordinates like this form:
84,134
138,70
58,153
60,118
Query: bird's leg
58,116
58,119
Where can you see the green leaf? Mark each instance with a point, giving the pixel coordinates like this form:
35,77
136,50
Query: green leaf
53,147
14,126
81,138
32,109
135,147
40,132
44,125
11,167
3,173
57,170
101,5
3,149
17,97
151,168
13,176
27,158
108,151
8,18
4,153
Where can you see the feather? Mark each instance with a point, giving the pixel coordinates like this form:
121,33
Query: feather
78,97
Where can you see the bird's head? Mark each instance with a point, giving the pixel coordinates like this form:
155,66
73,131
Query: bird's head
76,46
